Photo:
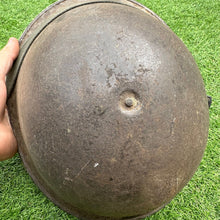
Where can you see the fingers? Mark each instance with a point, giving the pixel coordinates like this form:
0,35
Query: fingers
7,56
8,144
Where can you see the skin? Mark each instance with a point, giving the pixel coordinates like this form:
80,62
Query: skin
8,143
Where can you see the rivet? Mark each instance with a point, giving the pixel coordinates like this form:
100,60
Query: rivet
129,102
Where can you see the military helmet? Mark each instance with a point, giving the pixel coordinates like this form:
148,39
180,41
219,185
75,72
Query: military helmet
108,107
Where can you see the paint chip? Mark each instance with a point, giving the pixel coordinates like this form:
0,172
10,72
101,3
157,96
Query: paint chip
96,164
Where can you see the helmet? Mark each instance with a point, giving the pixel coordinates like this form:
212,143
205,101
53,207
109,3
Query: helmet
108,107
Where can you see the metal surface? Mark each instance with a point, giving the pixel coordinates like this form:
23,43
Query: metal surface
109,109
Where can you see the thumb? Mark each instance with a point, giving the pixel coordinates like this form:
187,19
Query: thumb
7,56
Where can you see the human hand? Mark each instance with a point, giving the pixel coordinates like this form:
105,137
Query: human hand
8,143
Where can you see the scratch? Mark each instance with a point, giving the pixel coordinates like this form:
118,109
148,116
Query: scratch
172,126
177,183
78,174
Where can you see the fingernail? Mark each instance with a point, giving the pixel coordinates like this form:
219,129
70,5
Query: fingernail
11,40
